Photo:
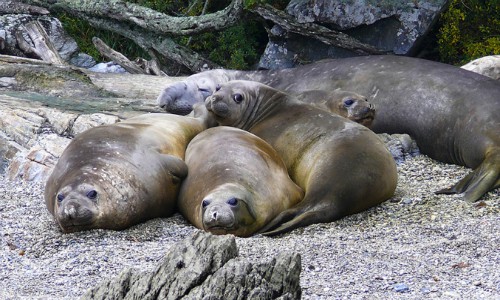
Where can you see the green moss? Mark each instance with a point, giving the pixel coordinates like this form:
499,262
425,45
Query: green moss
469,30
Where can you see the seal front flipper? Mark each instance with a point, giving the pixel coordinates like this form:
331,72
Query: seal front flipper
483,179
175,166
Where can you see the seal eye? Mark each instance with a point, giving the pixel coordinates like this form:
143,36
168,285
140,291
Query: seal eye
232,201
217,88
60,197
92,194
237,98
205,203
348,102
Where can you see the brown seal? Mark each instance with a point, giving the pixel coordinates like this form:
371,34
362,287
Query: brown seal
342,166
452,113
114,176
236,184
347,104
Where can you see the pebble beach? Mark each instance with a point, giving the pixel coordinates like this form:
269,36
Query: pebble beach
416,245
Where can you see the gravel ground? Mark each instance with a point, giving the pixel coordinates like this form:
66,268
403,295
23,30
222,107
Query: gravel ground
416,245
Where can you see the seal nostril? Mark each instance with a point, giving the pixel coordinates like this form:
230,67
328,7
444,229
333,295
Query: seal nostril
214,216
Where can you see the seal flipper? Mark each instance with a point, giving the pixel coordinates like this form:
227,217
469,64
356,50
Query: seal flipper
483,179
283,217
175,166
307,218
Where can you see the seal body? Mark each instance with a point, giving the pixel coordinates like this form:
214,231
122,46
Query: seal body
453,114
114,176
236,184
342,166
347,104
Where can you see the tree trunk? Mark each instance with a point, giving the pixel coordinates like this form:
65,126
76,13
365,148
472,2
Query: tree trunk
146,18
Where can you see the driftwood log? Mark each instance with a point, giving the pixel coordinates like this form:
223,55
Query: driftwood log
42,47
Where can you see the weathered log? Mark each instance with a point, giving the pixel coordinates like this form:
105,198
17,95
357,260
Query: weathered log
146,18
23,60
42,46
16,7
24,74
323,34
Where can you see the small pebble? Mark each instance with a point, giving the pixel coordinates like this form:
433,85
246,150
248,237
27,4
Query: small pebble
401,288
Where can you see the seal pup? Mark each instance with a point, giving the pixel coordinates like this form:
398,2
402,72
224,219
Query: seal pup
452,113
115,176
342,166
236,183
347,104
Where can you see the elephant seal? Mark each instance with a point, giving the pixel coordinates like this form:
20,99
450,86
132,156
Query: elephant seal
452,113
114,176
342,166
347,104
236,184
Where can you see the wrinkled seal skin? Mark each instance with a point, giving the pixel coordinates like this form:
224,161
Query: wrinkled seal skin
115,176
237,183
342,166
453,114
347,104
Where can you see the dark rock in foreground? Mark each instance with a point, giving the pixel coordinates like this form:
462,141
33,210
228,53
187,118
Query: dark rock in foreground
206,266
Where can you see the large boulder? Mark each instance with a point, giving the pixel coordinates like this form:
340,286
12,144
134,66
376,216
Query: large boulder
205,266
393,26
487,66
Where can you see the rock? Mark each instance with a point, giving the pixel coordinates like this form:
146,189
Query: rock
83,60
401,146
84,122
487,66
109,67
11,23
401,288
205,266
393,26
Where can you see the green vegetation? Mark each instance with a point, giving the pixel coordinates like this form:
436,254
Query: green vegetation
469,29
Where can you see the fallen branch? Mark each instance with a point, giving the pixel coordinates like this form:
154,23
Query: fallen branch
24,60
163,46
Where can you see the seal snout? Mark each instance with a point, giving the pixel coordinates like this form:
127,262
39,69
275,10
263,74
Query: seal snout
74,214
217,218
